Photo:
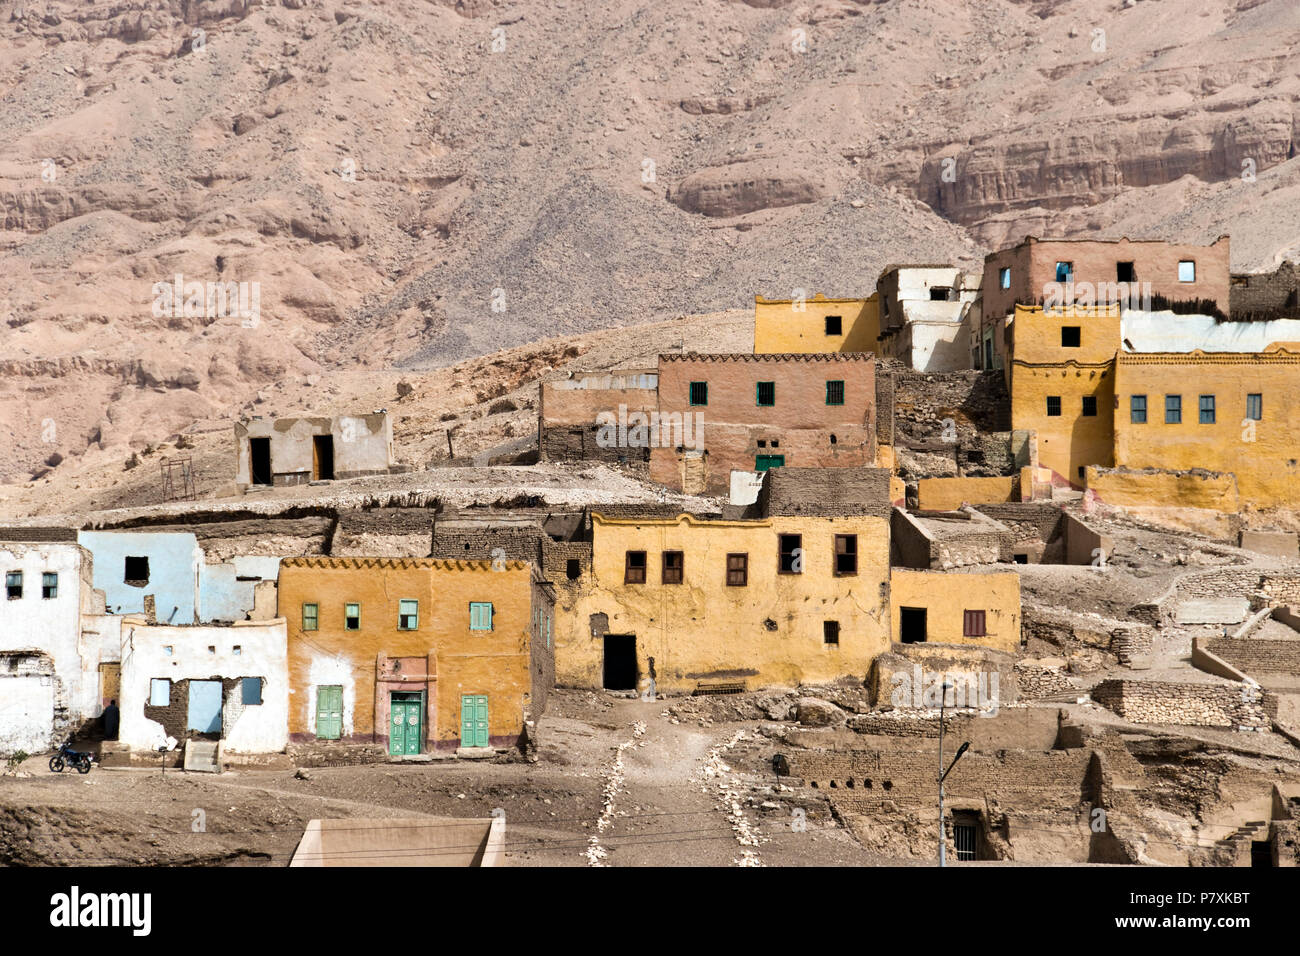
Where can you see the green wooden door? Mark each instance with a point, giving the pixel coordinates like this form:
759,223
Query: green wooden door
764,462
474,720
405,719
329,712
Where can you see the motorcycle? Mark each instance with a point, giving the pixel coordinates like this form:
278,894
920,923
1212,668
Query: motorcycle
66,755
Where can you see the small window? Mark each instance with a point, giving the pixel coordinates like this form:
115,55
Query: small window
830,632
160,692
1054,406
762,443
1070,336
136,571
972,624
1207,409
480,616
939,293
14,585
1124,272
672,571
634,568
766,393
791,554
1255,407
699,393
310,617
1187,270
1137,409
1064,271
834,325
1004,277
352,617
237,650
737,570
846,555
49,585
1173,409
1090,406
408,614
169,650
250,691
572,569
835,393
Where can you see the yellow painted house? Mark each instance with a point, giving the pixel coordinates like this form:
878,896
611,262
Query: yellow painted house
1062,378
817,324
978,608
777,600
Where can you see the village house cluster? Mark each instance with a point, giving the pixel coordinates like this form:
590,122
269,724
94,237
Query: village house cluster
1134,372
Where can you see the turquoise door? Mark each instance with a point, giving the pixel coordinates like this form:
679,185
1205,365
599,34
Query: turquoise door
329,712
474,720
764,462
405,723
205,707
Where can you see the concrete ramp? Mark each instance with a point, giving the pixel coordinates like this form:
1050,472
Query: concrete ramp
417,841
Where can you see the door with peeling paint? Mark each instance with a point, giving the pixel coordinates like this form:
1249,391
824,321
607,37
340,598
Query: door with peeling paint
329,712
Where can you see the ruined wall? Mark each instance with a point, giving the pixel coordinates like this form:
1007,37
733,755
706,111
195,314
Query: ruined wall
568,410
1154,487
1035,527
825,492
391,532
175,560
896,674
1188,705
1263,296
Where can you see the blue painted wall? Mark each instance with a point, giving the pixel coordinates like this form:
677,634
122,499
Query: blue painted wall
174,563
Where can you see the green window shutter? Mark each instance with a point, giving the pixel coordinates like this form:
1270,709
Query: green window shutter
480,616
408,614
835,392
310,617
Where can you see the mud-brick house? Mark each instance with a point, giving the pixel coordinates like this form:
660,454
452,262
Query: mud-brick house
416,654
227,684
571,412
798,593
816,324
294,451
49,672
743,412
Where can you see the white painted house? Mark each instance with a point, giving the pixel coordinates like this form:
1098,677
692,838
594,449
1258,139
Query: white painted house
925,316
228,683
49,673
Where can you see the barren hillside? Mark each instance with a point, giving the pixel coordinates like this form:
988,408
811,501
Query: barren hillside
407,184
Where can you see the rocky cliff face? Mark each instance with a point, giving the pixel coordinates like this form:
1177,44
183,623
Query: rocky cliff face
403,183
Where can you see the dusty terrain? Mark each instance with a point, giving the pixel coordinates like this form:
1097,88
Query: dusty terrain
411,183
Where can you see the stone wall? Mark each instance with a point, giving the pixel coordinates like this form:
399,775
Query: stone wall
1257,655
1263,296
827,492
1187,705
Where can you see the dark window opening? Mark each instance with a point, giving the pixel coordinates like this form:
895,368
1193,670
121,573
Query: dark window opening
911,625
791,553
766,393
14,585
835,393
634,568
762,443
1064,271
1054,406
1020,558
49,584
1261,854
699,393
1124,272
830,632
572,569
939,293
1090,406
136,572
972,624
964,835
737,570
673,563
834,325
322,457
846,554
259,456
352,617
1071,336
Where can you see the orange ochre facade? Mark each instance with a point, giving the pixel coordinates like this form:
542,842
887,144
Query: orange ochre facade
379,649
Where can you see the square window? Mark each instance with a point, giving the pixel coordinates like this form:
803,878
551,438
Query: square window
737,570
250,690
49,584
1207,409
1071,336
1090,406
699,393
939,293
14,585
835,393
830,632
1137,409
672,570
1004,277
310,617
846,555
790,558
766,393
160,692
762,443
834,325
480,616
352,617
972,624
408,614
136,571
237,650
634,567
1064,271
1255,407
1124,272
1054,406
1173,409
1187,271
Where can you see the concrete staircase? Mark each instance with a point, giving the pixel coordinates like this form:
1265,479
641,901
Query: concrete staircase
203,756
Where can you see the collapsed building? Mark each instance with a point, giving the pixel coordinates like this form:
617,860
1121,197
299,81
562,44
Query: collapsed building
295,451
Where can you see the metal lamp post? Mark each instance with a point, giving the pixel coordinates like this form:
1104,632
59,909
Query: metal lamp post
943,843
